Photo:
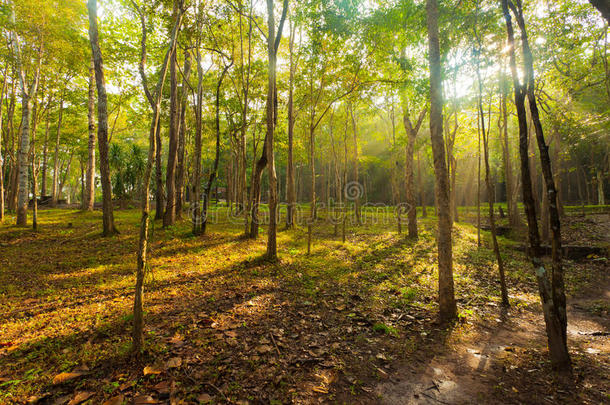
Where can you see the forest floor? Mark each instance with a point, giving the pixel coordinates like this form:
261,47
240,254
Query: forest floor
350,323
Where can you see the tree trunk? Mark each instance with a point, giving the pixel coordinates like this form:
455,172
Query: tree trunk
172,152
159,198
272,44
55,184
180,172
601,197
409,182
102,125
551,293
45,151
24,143
447,305
422,191
511,189
2,91
488,181
290,182
214,171
89,198
195,197
357,195
155,104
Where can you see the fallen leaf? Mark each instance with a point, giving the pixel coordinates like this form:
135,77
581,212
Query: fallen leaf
204,398
162,387
118,400
263,349
144,399
81,397
63,377
174,362
148,370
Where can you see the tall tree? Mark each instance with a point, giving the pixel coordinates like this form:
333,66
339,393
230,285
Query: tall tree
154,100
90,189
28,91
412,131
551,291
273,43
102,122
169,217
447,306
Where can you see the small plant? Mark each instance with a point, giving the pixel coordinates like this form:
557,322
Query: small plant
385,329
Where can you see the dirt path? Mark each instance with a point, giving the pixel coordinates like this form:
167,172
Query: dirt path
505,360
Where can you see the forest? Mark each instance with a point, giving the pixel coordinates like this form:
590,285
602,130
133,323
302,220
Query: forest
304,202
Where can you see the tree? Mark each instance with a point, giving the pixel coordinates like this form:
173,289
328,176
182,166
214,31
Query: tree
412,132
154,100
102,122
551,292
90,190
447,306
28,92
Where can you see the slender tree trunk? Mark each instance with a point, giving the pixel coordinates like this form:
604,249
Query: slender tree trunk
409,182
214,171
2,91
488,181
62,182
155,104
24,145
55,184
172,152
447,305
511,189
89,199
45,151
478,182
102,125
356,168
159,197
290,182
180,172
551,293
422,191
601,197
272,44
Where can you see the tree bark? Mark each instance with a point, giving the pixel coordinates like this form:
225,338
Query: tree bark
154,100
102,125
89,199
55,184
551,292
2,91
214,171
447,305
290,181
169,217
409,182
27,94
180,172
357,212
272,45
488,181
